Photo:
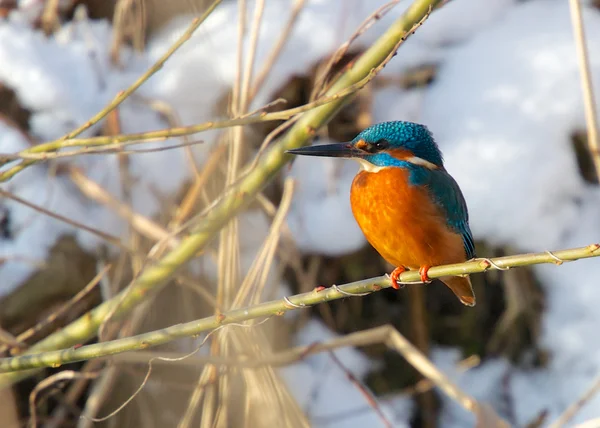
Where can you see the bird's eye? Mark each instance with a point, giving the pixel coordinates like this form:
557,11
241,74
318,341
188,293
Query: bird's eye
380,145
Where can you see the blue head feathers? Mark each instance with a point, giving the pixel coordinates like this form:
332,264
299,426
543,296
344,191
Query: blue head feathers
406,136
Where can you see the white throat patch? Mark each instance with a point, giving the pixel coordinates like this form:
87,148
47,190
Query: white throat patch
369,167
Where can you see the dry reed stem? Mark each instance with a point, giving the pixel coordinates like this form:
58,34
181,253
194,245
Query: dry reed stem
277,49
575,407
368,337
62,310
48,382
156,275
123,95
97,394
591,117
76,390
255,280
49,19
191,197
228,250
145,226
386,334
172,118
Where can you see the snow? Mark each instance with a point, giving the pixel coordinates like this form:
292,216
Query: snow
64,80
503,105
532,83
324,393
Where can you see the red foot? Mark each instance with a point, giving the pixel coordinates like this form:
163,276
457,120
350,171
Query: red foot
423,272
395,275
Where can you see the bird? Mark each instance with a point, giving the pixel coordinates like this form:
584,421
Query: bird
410,209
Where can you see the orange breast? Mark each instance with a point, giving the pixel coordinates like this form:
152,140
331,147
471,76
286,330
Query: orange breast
401,221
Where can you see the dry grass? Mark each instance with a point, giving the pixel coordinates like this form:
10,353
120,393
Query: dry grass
186,387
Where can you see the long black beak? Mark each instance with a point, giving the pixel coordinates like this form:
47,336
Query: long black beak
337,150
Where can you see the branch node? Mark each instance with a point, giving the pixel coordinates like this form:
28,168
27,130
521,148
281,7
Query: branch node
557,260
291,305
487,263
339,290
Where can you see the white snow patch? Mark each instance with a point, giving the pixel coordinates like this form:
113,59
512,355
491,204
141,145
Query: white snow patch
324,392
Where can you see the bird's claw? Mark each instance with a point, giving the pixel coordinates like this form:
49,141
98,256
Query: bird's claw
395,276
423,271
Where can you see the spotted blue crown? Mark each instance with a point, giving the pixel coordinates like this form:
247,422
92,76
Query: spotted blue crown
410,136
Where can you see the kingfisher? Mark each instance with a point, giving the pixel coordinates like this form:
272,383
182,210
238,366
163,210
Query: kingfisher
408,206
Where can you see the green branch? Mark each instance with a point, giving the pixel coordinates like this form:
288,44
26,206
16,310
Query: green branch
116,102
278,307
156,275
47,151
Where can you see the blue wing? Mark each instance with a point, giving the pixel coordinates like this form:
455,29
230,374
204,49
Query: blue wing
446,193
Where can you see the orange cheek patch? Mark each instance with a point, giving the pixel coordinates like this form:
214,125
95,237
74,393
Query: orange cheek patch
400,154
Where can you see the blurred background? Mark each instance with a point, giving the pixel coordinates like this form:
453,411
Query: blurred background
497,82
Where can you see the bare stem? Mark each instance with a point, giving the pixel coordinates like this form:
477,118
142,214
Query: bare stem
591,117
123,95
278,307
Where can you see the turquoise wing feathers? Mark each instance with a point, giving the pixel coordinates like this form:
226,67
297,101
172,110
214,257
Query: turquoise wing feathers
447,195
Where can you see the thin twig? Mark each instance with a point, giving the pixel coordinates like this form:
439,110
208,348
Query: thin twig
322,78
123,95
190,198
43,151
575,407
62,310
373,336
48,382
140,223
385,334
8,340
277,48
117,148
371,400
245,95
168,360
76,390
105,236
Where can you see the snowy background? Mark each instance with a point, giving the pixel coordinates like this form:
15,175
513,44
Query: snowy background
503,106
